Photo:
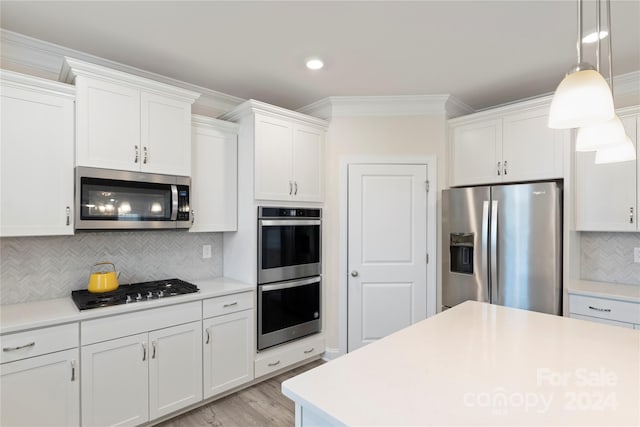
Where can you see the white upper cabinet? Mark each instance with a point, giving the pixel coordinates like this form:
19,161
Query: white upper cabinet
509,144
130,123
288,151
214,175
607,194
36,198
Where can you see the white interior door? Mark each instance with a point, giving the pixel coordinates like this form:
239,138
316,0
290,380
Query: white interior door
387,239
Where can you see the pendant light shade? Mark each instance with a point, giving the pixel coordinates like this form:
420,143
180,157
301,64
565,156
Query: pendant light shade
618,153
582,98
600,135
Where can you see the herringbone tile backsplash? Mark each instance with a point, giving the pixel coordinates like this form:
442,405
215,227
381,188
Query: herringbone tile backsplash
39,268
608,257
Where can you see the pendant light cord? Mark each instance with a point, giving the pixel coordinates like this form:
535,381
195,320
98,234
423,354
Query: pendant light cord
598,8
608,4
579,44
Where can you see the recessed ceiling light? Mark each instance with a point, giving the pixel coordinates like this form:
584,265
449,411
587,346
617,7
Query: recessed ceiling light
593,37
314,63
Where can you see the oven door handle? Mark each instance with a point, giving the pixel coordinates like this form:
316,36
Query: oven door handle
277,222
289,284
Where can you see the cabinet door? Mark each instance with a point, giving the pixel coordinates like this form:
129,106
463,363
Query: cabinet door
273,158
530,149
175,368
36,194
214,179
41,391
115,376
228,352
476,150
307,160
165,135
107,125
606,193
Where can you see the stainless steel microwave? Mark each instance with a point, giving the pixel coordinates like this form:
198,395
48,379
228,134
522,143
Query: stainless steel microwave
115,199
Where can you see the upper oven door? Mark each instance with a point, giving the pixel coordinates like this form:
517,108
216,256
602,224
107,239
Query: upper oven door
110,199
288,249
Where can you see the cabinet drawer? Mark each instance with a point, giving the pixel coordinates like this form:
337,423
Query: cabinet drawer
108,328
601,320
227,304
621,311
38,341
273,360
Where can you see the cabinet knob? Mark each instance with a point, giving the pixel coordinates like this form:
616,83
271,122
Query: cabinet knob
498,168
631,215
355,273
146,155
295,184
68,215
193,217
505,167
137,154
290,188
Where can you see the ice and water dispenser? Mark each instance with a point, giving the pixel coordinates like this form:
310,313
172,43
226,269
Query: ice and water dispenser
461,252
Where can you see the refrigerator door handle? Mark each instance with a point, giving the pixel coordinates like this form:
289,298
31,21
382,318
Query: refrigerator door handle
484,244
493,253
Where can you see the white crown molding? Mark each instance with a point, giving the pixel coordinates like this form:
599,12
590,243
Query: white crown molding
252,106
43,59
11,78
627,86
73,68
197,119
405,105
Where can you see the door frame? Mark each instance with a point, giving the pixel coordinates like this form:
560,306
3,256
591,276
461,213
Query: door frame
343,222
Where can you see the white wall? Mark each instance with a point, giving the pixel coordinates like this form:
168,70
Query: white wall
367,137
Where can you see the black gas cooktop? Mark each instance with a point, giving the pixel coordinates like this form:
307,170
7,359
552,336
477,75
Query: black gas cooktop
133,293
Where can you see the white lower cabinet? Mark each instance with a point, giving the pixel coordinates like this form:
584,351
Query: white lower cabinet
277,358
228,351
115,379
228,337
140,366
604,310
41,391
39,378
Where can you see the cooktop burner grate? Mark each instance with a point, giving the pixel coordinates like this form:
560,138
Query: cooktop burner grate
132,293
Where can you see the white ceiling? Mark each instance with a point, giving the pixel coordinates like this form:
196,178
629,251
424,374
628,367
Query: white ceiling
483,52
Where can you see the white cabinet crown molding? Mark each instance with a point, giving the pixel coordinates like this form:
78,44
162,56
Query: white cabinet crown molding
197,119
252,106
501,111
23,81
404,105
72,68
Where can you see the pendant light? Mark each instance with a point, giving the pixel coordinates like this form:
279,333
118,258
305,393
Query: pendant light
608,138
583,97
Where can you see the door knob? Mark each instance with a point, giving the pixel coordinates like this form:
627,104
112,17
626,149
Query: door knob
354,273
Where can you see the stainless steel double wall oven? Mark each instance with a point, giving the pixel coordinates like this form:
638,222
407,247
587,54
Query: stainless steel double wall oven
289,274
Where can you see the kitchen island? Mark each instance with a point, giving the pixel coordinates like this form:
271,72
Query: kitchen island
479,364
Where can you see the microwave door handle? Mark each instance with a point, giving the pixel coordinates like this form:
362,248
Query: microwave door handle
174,202
277,222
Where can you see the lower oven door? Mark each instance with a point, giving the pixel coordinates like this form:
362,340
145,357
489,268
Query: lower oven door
288,310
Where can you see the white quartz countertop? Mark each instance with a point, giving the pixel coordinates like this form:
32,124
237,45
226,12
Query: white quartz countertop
482,364
19,317
615,291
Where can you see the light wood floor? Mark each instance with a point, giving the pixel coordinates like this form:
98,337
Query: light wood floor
260,405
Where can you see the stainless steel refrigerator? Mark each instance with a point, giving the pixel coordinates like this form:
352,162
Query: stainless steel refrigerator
503,244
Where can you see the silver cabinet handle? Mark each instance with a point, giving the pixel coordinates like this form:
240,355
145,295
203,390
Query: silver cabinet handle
499,163
295,183
68,215
290,188
146,155
354,273
274,363
230,304
208,336
154,345
505,167
73,370
309,351
144,351
137,156
606,310
630,215
193,217
20,347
